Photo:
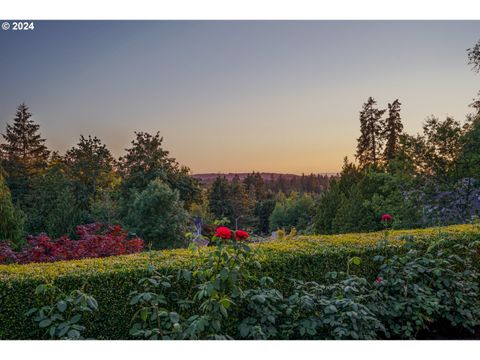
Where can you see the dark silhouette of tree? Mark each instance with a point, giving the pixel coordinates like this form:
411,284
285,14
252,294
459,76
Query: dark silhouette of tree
392,129
254,184
240,203
146,160
91,167
369,142
474,57
443,141
219,199
23,152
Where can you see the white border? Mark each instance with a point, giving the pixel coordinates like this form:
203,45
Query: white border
239,9
241,350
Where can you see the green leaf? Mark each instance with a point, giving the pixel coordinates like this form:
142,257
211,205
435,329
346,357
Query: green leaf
144,314
45,323
61,306
174,317
76,318
73,334
244,330
356,260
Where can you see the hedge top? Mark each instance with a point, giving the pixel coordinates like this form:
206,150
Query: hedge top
178,257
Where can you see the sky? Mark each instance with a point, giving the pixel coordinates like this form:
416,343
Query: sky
234,96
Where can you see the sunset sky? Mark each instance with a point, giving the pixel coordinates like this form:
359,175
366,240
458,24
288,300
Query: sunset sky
234,96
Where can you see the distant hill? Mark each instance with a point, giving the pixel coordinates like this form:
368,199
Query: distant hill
210,177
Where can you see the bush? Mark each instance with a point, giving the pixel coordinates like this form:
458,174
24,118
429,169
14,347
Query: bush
158,216
111,280
11,219
415,290
94,241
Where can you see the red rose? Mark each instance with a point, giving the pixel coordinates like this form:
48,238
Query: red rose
378,280
387,217
223,232
241,235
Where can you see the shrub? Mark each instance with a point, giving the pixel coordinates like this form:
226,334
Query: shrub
158,216
94,241
61,317
414,290
111,280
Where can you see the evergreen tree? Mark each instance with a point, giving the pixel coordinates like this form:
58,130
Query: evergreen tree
23,152
146,160
219,199
240,204
254,183
262,212
369,142
392,129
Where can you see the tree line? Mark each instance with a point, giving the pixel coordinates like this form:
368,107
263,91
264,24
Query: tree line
42,191
427,179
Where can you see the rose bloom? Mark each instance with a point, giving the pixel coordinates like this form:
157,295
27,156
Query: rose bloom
223,232
378,280
387,217
241,235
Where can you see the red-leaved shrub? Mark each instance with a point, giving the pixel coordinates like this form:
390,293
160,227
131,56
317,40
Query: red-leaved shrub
94,240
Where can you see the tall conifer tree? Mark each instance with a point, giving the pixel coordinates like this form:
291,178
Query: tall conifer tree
23,152
369,143
392,129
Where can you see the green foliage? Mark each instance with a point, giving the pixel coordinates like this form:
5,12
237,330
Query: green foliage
50,204
296,211
90,166
219,199
111,280
392,129
241,204
146,161
263,210
415,290
469,158
370,143
61,317
264,307
327,207
157,215
152,318
11,218
23,153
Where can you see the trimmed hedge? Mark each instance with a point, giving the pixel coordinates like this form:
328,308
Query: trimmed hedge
110,280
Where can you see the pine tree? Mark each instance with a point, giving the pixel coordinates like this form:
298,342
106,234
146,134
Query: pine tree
147,160
23,140
392,129
369,142
241,205
23,153
255,184
219,199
